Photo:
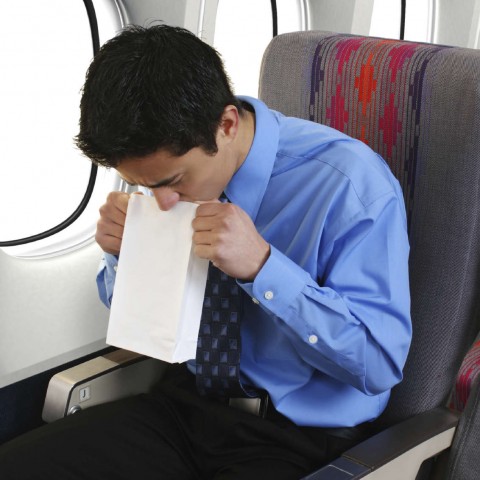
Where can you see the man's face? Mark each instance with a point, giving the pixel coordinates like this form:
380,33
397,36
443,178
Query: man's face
194,177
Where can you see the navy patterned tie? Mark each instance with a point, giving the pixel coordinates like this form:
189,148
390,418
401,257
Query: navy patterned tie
219,343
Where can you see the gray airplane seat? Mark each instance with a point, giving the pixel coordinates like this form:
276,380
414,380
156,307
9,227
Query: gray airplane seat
418,106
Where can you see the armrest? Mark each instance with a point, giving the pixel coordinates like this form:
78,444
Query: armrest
109,377
397,452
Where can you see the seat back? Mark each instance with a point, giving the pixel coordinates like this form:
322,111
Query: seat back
418,106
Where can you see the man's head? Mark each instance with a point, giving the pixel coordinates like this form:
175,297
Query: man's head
150,89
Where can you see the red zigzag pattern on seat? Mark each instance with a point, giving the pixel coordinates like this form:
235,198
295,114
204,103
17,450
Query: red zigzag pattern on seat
371,78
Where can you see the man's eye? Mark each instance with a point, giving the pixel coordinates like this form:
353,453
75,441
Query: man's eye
175,182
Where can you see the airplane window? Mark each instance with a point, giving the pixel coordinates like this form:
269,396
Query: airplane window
386,19
291,16
45,177
418,21
242,32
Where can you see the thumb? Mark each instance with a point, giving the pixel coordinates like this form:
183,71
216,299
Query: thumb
214,200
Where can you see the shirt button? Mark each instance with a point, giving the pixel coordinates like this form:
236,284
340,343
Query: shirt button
115,267
268,295
313,339
255,301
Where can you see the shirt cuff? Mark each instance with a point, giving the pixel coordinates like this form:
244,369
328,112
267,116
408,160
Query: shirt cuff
106,278
277,284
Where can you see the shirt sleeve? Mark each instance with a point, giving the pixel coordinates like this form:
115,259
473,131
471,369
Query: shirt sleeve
352,324
106,278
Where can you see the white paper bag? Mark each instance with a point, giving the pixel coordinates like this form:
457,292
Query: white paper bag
160,283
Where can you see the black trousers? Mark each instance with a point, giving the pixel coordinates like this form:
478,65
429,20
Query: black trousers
172,433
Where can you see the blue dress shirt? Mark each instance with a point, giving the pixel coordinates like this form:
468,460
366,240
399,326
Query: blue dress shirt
326,326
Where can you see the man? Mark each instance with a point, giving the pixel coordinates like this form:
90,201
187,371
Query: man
314,234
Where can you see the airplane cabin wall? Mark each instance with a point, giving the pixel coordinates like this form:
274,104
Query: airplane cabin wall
197,16
50,312
343,16
457,22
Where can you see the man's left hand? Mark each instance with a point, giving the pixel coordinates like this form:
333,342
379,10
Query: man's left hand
225,235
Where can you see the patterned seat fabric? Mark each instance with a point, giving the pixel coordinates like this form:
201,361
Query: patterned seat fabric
418,106
371,89
466,377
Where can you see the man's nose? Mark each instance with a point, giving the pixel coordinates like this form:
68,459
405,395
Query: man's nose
166,198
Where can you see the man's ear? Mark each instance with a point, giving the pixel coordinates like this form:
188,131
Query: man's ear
229,123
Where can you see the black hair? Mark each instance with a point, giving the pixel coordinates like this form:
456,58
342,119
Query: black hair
152,88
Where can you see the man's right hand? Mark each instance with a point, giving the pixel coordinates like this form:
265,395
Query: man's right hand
112,221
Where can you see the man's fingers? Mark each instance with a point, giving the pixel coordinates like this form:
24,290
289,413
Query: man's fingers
109,243
202,238
115,208
119,200
106,227
211,208
112,214
203,202
214,216
111,223
204,251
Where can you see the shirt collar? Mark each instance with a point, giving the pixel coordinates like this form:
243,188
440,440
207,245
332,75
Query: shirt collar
249,183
